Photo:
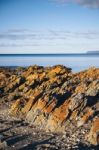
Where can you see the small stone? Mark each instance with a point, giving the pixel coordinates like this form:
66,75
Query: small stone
34,133
78,140
64,136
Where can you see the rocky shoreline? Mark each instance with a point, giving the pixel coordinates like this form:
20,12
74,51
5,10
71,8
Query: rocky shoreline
49,108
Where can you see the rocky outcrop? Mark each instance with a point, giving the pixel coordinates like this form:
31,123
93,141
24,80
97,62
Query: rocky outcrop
53,98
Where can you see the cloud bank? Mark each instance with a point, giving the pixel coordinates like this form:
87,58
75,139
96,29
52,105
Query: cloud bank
85,3
50,34
50,39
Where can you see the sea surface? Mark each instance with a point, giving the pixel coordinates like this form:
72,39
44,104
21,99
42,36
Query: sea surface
77,62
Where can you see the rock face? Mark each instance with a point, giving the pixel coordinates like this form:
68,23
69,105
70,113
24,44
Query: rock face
94,132
53,98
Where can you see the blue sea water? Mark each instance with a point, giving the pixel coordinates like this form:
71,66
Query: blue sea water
77,62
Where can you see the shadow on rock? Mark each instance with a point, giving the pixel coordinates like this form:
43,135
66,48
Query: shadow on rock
45,143
13,140
5,130
86,147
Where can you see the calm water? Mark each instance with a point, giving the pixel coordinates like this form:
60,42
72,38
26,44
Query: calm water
76,62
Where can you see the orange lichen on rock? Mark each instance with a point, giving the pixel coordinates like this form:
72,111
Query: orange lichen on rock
85,117
15,108
81,88
32,77
88,74
50,107
57,117
27,107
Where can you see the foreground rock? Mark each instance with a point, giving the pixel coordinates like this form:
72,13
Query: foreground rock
94,132
16,134
55,100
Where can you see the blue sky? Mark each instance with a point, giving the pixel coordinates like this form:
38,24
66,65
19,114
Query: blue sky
49,26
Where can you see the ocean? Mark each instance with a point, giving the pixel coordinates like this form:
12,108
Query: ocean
78,62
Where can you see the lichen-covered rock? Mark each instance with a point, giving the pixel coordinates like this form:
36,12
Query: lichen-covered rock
89,112
52,98
15,108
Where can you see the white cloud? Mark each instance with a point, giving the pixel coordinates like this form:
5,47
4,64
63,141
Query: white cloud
86,3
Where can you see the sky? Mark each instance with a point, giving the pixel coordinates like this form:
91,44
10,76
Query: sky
49,26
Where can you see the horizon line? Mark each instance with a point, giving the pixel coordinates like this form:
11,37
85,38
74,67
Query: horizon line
37,54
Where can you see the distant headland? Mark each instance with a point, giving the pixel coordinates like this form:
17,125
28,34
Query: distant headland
92,52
